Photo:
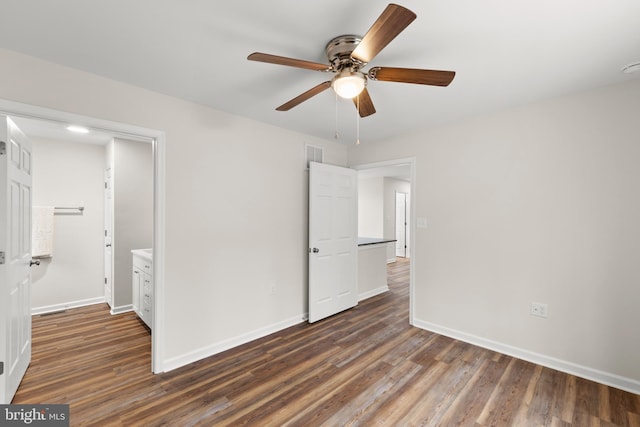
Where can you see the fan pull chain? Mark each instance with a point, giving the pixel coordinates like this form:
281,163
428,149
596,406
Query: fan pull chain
336,135
358,121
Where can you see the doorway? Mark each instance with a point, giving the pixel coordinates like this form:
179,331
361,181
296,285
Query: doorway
397,170
61,119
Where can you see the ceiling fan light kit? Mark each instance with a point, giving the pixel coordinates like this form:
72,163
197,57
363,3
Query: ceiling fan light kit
349,84
348,54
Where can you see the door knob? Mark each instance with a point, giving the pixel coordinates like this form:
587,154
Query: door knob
315,250
34,262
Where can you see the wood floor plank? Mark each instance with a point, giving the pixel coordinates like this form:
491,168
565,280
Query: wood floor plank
362,367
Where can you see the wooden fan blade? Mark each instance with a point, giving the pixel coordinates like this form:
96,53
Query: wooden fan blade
304,96
291,62
412,75
366,104
389,24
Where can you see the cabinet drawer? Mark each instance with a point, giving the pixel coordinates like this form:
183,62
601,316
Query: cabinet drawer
143,265
146,316
146,266
147,288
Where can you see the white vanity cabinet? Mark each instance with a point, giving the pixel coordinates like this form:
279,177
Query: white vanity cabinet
143,285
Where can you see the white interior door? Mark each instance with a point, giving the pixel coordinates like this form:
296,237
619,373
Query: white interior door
15,257
108,237
333,240
402,224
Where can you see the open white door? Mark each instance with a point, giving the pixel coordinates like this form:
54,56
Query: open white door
15,257
333,240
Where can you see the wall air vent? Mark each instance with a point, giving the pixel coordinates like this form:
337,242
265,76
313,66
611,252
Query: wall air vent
313,153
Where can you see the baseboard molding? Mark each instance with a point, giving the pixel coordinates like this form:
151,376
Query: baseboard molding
122,309
194,356
372,293
613,380
65,306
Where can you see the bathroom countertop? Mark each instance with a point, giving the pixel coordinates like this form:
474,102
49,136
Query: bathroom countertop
144,253
364,241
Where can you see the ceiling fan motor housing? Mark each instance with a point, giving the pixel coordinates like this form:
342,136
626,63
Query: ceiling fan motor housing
339,51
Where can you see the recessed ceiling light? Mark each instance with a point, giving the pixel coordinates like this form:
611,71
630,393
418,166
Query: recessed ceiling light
77,129
631,68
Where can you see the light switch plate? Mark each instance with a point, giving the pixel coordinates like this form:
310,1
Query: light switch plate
422,222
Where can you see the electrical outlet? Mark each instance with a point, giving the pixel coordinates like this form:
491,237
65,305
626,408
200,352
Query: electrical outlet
539,309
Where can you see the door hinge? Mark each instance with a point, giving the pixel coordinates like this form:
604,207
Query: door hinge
105,280
3,147
1,257
1,368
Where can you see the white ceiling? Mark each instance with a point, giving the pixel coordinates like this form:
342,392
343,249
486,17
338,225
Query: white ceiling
505,53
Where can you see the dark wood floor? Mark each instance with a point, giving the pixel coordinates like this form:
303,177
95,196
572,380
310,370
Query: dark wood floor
366,366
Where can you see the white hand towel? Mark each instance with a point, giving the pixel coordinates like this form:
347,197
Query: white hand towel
42,231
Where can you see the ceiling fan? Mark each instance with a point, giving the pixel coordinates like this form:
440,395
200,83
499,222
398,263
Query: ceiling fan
348,54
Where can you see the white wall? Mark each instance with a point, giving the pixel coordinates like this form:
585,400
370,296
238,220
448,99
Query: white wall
132,174
370,207
539,203
236,200
69,174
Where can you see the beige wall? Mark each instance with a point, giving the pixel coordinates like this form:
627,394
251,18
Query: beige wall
132,175
69,174
236,204
370,207
539,203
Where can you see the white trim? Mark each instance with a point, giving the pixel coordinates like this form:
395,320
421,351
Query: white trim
159,200
607,378
128,131
122,309
67,305
372,293
412,220
210,350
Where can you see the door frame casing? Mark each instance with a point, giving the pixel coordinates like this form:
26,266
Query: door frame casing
411,161
124,130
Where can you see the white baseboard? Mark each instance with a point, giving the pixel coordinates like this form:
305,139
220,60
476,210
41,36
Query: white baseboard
586,372
194,356
122,309
66,305
372,293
